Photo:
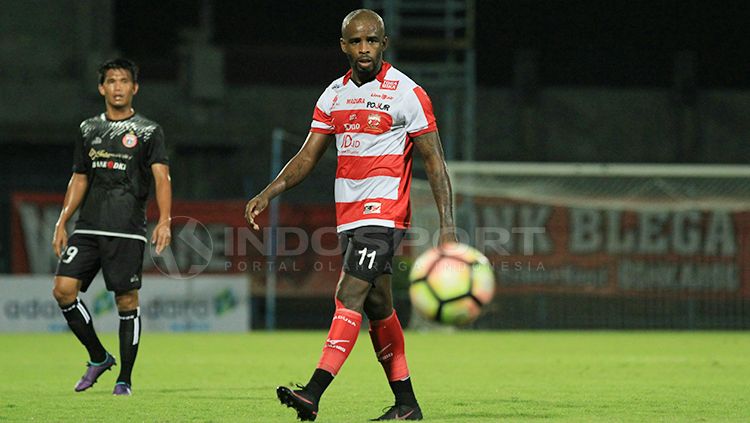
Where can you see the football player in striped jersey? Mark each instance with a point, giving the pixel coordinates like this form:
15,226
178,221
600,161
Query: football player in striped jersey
375,115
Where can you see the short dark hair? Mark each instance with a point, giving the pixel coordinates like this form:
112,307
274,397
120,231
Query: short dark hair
119,63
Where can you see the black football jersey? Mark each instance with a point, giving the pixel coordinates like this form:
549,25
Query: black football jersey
117,157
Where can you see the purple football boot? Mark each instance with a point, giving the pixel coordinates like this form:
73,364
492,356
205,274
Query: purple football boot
93,372
122,388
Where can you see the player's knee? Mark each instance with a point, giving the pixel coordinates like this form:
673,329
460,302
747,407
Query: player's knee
127,301
350,301
63,297
379,302
64,293
352,293
378,308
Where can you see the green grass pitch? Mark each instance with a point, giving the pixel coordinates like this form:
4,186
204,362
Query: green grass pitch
458,377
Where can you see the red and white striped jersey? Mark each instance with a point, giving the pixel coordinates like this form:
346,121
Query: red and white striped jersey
374,125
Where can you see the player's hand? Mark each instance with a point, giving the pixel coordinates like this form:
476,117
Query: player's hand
162,236
253,208
59,239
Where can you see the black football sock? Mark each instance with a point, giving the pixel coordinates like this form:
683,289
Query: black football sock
130,335
403,392
80,323
318,383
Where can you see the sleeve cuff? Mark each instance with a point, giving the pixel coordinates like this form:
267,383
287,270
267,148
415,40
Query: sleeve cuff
426,130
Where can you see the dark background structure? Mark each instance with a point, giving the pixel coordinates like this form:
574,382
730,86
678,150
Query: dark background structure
628,44
574,81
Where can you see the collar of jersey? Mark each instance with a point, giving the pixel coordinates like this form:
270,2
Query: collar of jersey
380,76
106,119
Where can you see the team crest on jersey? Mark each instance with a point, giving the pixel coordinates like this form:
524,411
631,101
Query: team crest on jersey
388,85
373,121
372,208
130,140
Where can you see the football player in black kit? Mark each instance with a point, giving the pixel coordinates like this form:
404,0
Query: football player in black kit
117,156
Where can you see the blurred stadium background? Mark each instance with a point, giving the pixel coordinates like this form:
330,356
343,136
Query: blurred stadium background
621,130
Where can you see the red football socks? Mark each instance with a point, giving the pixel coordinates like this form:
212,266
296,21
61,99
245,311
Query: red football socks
341,339
388,341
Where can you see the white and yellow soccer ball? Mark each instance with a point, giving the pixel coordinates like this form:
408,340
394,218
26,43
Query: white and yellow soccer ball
451,283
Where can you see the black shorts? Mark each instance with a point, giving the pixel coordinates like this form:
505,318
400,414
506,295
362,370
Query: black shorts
121,261
368,251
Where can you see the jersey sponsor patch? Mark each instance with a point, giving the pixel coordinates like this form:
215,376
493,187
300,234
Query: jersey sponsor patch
389,85
372,208
384,96
108,164
130,140
361,121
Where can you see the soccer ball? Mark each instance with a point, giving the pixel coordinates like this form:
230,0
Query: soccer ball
451,283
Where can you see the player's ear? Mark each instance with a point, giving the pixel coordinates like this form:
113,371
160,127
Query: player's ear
135,88
343,45
101,89
385,42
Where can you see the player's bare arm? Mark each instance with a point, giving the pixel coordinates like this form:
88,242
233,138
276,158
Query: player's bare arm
431,149
77,187
295,171
162,233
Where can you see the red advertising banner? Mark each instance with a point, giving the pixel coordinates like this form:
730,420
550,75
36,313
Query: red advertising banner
647,250
208,237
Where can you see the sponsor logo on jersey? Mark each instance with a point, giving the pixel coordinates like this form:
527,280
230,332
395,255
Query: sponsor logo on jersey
359,100
349,142
108,164
372,208
130,140
388,85
96,141
104,154
379,106
352,117
384,96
